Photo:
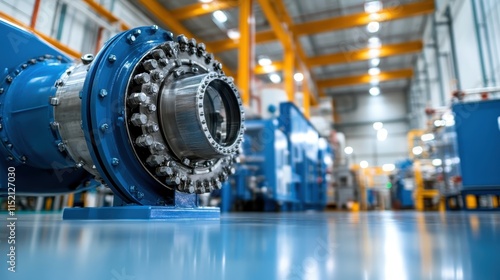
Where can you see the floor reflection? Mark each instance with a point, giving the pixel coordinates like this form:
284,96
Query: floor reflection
374,245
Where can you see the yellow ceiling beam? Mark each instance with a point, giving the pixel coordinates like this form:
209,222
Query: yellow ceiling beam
359,19
173,24
275,67
349,56
200,9
364,54
343,22
366,79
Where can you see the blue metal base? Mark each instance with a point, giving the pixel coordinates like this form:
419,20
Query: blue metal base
138,212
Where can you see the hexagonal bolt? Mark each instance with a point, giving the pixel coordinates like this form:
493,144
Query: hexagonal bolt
87,58
154,28
152,108
142,78
139,119
61,146
80,164
137,98
173,181
131,38
115,161
192,42
132,189
152,127
182,40
137,32
158,53
103,93
231,170
1,90
186,161
158,147
150,64
157,75
191,188
145,140
218,184
209,57
104,127
54,125
163,62
164,171
112,58
139,195
151,88
155,160
201,48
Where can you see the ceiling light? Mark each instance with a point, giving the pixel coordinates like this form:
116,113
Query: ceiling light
275,78
374,91
363,164
299,77
373,27
205,1
427,137
373,6
233,34
374,71
437,162
264,61
348,150
374,53
378,125
374,62
388,167
220,16
374,43
382,134
269,68
417,150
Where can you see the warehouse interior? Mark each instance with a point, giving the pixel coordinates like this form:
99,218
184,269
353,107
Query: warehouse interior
236,139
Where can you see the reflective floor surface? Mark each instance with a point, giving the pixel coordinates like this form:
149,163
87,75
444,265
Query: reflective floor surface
372,245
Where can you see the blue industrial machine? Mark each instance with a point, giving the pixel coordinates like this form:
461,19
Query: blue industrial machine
403,185
283,167
477,124
151,117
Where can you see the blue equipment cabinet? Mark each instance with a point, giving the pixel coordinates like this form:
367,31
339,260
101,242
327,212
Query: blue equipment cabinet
478,135
283,167
477,124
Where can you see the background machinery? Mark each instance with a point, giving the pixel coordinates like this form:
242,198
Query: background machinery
284,166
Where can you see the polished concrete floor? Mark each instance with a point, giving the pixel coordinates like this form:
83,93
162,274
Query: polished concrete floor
372,245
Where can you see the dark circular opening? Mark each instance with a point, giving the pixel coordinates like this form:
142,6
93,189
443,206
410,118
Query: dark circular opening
222,113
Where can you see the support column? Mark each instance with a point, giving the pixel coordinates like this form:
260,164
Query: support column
246,59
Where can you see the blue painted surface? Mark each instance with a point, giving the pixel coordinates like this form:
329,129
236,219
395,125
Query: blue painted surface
374,245
478,135
29,68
